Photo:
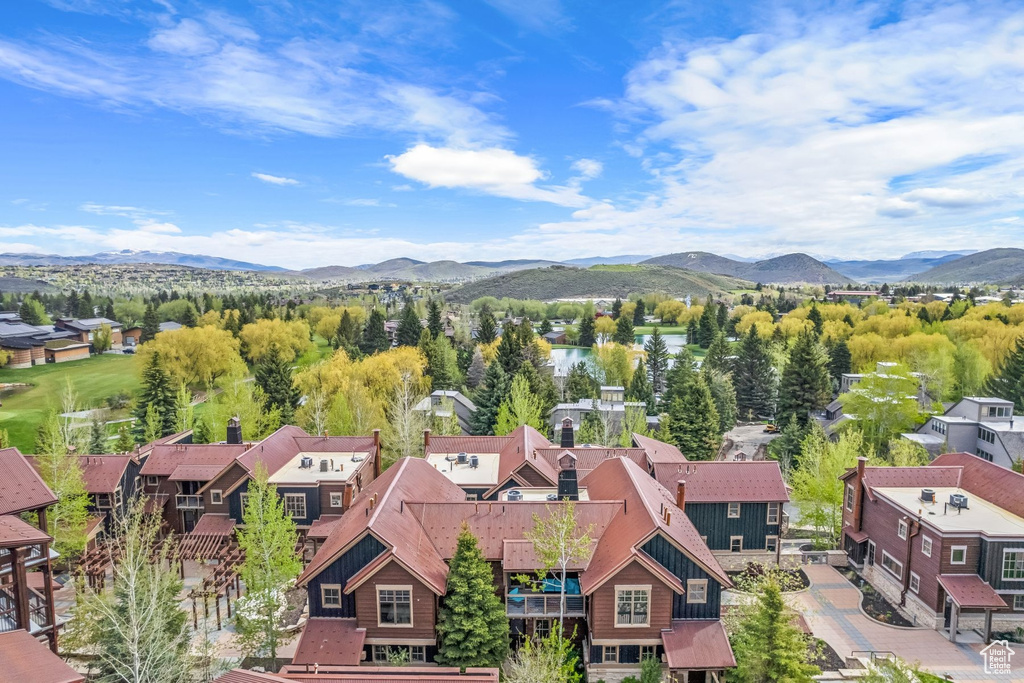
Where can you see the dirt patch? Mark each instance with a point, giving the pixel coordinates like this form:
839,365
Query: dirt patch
794,579
874,604
823,656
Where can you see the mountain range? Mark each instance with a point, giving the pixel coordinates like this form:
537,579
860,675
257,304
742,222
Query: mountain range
134,256
788,269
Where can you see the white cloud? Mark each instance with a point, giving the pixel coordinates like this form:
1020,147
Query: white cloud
588,168
948,197
187,37
275,179
543,16
491,170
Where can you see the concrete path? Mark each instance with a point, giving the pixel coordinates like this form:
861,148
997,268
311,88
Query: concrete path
831,608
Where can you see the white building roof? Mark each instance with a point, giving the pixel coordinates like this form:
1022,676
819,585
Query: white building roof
979,515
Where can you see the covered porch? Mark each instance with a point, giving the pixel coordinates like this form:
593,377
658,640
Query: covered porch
697,651
969,592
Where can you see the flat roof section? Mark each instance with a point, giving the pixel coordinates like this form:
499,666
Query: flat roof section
339,468
485,473
979,515
539,494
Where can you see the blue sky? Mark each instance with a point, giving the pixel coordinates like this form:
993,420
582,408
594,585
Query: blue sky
301,133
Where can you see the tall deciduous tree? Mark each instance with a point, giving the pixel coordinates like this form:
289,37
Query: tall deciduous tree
520,407
657,359
884,404
805,384
62,472
404,436
375,336
1007,382
816,484
472,625
559,542
755,377
268,538
274,376
693,421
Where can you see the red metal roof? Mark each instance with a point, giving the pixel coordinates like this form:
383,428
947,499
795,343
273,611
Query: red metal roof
731,481
212,524
330,642
164,459
195,472
26,660
21,487
102,473
659,451
321,528
995,484
14,533
364,674
467,444
588,459
697,644
970,590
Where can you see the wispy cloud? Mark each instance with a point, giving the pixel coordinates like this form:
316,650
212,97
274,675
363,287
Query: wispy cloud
542,16
274,179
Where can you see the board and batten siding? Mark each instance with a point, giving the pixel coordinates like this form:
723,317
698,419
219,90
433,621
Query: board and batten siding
682,567
991,564
712,520
604,608
339,572
423,602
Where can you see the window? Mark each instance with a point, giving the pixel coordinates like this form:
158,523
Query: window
915,582
892,565
771,544
295,504
216,497
986,435
395,605
926,546
849,497
472,496
418,653
773,513
996,411
611,654
380,653
330,595
734,510
697,591
117,498
151,480
983,454
1018,603
336,500
735,544
958,554
901,530
243,497
103,500
631,605
646,651
542,628
939,427
1013,565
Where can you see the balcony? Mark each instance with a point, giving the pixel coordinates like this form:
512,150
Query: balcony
39,616
187,502
524,604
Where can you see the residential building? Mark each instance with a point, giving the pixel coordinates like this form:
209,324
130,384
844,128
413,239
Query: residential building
85,329
27,344
26,660
610,410
649,587
366,674
983,426
24,551
945,541
832,417
111,481
434,406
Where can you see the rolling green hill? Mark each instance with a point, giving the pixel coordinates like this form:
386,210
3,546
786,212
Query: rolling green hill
993,266
786,269
561,282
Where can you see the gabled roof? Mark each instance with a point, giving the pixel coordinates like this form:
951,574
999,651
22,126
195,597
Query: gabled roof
21,487
970,590
15,533
27,660
658,451
165,458
727,481
995,484
588,459
102,473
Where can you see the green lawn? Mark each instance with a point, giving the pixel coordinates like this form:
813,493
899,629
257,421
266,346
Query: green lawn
664,329
321,350
93,380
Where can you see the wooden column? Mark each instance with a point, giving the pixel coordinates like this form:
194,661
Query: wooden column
51,609
988,626
954,618
20,588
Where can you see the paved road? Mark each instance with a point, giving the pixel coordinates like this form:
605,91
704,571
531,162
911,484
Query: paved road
831,608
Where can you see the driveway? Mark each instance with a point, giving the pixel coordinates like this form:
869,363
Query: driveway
747,439
831,608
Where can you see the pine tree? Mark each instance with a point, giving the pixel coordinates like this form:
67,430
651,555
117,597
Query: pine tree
97,437
274,376
722,317
472,626
640,389
510,350
707,328
717,357
190,318
544,327
814,315
157,392
347,335
125,443
754,377
694,421
477,369
375,337
678,376
1008,381
692,332
434,323
487,331
638,313
489,398
616,308
588,331
805,384
409,327
723,393
657,360
150,324
624,334
579,383
840,361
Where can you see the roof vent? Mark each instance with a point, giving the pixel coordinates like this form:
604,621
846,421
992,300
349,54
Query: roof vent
552,496
515,494
358,457
928,495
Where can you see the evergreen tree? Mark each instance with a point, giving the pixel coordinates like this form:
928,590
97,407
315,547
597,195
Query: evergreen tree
347,335
158,393
805,384
624,334
125,443
32,312
477,369
375,337
579,383
97,437
707,328
545,326
814,316
638,313
693,421
434,323
510,350
521,407
442,361
722,318
588,331
150,324
923,315
640,389
786,448
5,439
409,327
108,311
657,360
678,376
472,626
489,398
692,331
203,432
1008,381
724,395
487,331
717,357
189,317
755,377
616,308
274,376
840,361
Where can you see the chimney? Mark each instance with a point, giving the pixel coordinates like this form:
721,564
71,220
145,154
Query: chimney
568,486
568,438
858,493
681,494
376,453
234,434
426,440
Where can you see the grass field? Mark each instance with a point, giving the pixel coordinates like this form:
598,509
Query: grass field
664,329
93,380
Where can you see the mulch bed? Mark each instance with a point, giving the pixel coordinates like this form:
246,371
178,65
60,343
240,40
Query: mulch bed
796,579
874,604
823,656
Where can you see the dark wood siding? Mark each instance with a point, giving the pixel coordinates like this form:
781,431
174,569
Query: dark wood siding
339,572
712,520
325,498
222,484
423,604
973,556
603,606
991,563
531,476
681,566
927,568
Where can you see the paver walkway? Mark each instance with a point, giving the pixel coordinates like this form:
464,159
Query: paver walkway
831,608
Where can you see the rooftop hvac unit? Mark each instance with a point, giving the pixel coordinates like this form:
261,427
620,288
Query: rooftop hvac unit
474,461
325,466
958,500
462,458
306,462
515,494
358,457
928,495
